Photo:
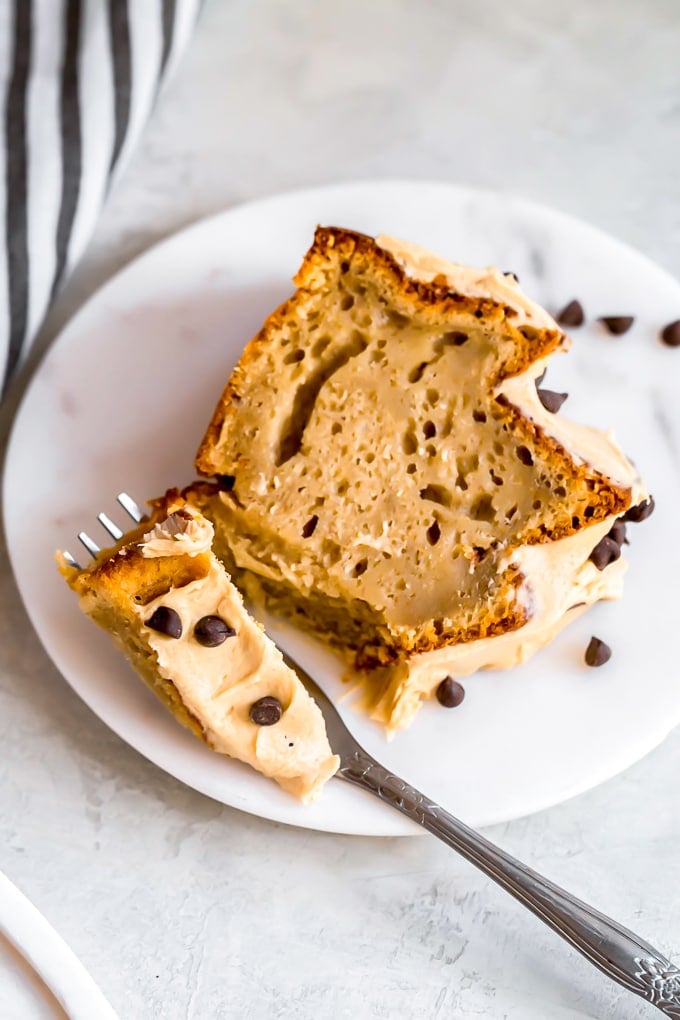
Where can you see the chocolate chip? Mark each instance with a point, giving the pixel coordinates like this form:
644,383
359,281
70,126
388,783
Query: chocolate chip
571,315
597,652
450,693
670,334
211,631
266,712
524,455
551,400
509,272
539,378
640,512
605,552
165,621
617,324
618,532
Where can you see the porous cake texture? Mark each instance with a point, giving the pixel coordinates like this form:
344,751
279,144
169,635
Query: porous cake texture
384,462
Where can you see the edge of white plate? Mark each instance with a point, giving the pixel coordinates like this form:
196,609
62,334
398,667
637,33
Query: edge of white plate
394,825
50,957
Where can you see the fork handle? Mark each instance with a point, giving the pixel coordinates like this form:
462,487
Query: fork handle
613,949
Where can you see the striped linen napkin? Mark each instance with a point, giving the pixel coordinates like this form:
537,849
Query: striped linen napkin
78,79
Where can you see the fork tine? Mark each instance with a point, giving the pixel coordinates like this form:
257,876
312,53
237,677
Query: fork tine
112,528
89,544
70,560
133,509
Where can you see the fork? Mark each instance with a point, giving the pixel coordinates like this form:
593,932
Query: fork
616,951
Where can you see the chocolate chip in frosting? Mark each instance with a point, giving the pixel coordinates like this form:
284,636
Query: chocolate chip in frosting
605,552
266,711
641,512
597,652
509,272
450,693
617,324
618,532
670,334
211,631
166,621
571,315
551,400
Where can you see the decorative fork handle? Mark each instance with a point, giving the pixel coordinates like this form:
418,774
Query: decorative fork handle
615,950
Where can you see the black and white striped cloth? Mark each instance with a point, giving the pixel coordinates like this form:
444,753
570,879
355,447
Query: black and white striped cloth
78,79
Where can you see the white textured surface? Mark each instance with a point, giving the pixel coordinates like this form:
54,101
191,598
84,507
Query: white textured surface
183,908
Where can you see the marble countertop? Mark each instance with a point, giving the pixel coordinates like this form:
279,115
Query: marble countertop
183,908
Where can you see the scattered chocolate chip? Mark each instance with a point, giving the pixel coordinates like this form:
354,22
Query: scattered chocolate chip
618,532
541,377
551,400
509,272
640,512
266,712
670,334
165,621
571,315
597,652
524,455
450,693
617,324
605,552
211,631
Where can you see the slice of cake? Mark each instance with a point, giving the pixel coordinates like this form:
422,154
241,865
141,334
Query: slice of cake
389,476
171,608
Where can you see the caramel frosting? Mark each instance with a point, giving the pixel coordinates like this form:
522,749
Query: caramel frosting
218,685
584,443
181,534
490,282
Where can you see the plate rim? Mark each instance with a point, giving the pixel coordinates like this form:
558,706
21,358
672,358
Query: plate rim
49,956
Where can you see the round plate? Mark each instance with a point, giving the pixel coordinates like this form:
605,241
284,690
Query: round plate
123,397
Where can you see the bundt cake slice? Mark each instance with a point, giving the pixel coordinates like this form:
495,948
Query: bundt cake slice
384,461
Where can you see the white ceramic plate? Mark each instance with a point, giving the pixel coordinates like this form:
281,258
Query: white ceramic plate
40,977
124,395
